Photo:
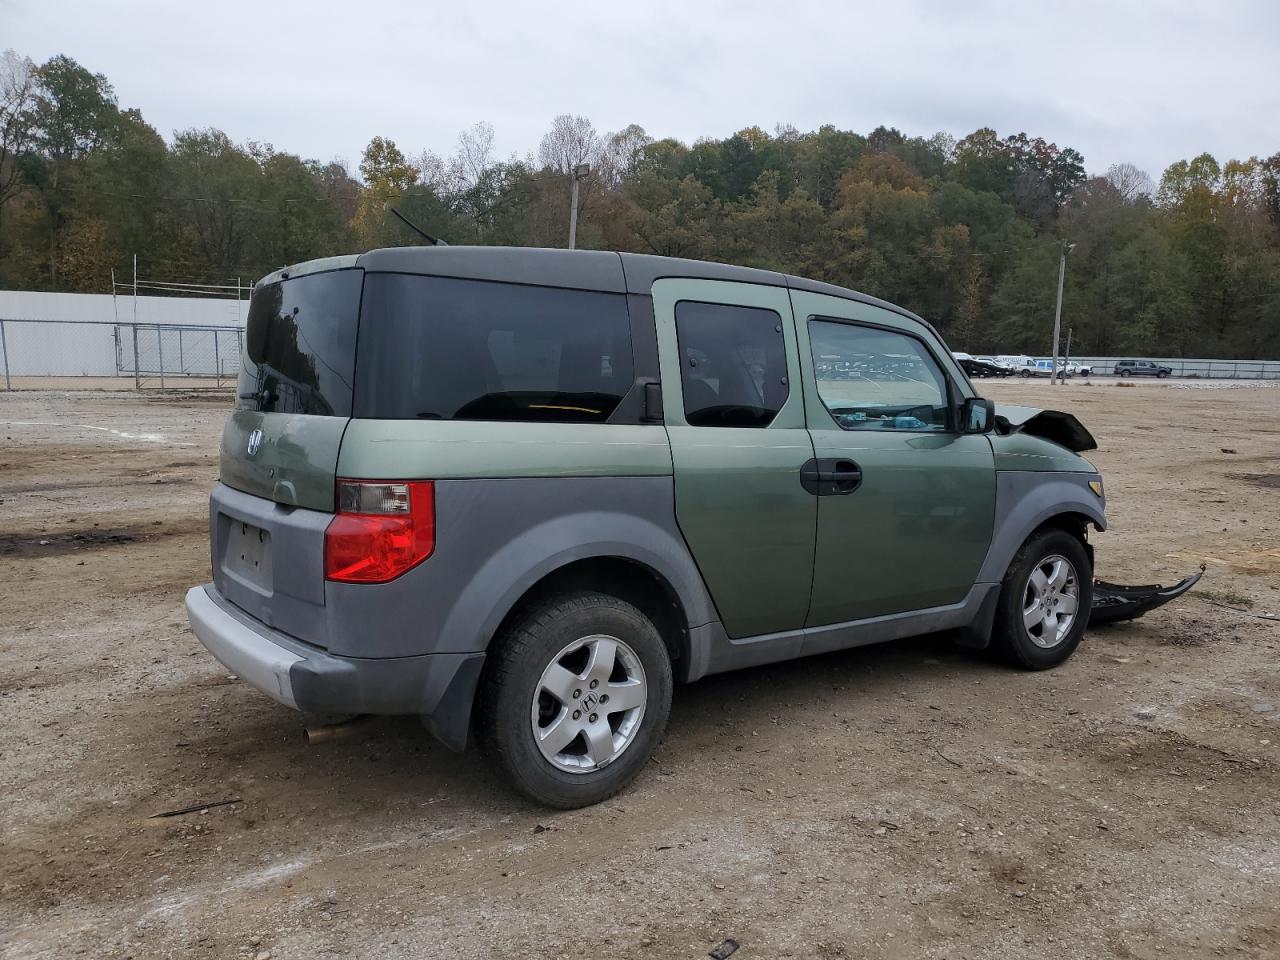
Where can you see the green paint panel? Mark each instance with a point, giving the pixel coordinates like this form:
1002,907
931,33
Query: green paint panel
913,535
1021,451
482,449
748,522
295,463
739,503
916,531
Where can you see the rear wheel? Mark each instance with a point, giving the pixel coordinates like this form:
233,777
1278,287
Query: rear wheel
1044,601
575,699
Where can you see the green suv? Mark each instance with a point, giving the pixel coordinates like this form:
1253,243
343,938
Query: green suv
521,492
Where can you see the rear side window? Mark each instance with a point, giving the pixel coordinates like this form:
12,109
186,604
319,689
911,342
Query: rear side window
299,345
435,348
733,364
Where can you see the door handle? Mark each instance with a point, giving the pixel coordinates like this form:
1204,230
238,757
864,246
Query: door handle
830,477
847,476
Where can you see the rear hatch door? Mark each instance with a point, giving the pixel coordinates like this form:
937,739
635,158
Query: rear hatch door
294,393
280,448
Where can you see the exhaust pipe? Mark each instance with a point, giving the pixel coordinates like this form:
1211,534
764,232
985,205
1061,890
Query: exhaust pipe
328,732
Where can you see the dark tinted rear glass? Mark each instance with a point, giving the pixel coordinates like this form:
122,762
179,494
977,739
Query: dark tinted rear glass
733,364
299,345
444,349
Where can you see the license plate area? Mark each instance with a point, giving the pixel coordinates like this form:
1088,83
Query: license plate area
247,557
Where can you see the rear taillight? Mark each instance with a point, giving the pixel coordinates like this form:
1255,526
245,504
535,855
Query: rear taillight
382,530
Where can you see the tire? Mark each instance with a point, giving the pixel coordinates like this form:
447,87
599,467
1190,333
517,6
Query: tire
1126,373
1029,645
560,643
1084,373
1026,373
1161,375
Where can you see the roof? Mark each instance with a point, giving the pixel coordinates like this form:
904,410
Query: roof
600,270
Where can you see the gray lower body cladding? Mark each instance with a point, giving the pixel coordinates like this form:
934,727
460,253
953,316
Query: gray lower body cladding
495,539
416,645
1026,499
713,651
437,687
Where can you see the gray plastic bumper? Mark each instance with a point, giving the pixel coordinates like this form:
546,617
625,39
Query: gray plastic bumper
252,656
438,687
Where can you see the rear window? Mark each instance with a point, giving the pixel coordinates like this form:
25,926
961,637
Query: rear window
435,348
299,345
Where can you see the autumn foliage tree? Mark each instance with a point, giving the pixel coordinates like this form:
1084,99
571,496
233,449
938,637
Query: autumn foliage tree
965,231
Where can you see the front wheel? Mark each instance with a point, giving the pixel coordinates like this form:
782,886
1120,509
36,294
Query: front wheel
1045,601
575,698
1162,374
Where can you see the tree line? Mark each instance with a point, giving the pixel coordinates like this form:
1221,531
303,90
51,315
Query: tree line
966,232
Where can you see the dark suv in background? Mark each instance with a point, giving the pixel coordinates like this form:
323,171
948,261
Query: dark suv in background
1141,368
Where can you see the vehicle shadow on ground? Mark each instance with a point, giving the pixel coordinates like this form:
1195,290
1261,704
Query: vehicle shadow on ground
385,762
214,741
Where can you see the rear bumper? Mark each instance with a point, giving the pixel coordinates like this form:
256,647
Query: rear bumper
438,687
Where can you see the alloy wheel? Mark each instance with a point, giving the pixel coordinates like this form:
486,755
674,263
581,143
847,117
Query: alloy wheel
589,704
1051,601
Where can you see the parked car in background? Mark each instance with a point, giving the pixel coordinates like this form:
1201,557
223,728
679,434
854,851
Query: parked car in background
1141,368
1023,366
981,366
1008,370
1040,368
1079,369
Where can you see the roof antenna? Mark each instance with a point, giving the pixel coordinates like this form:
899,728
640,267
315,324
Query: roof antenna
434,241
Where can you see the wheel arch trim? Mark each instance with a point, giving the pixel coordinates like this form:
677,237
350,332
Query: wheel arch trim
1027,501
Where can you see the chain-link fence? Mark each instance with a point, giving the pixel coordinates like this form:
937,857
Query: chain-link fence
54,354
1183,367
58,354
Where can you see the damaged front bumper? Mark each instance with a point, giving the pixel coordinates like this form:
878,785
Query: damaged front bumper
1113,602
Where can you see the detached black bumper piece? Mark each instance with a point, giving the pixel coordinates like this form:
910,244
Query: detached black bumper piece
1113,603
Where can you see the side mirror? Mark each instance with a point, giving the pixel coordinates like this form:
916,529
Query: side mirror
977,415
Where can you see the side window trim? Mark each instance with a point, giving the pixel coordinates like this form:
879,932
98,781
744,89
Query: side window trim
949,389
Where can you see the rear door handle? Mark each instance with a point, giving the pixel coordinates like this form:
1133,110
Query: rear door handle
847,476
830,477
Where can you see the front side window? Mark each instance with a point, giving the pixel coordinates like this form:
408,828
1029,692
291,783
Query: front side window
874,379
733,364
435,348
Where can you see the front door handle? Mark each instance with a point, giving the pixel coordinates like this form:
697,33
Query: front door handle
831,477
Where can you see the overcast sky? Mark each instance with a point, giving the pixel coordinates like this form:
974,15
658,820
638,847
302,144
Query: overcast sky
1147,82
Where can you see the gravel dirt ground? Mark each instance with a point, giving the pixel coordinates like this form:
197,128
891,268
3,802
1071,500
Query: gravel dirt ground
911,800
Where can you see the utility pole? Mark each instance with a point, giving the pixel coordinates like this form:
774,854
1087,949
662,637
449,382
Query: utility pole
580,171
1057,313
